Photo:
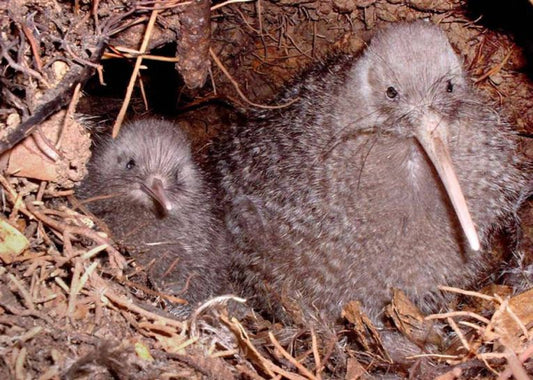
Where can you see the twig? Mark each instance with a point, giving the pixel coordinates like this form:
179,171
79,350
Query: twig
74,289
40,192
14,197
208,304
69,114
436,356
237,88
105,290
135,73
59,96
28,300
496,68
143,56
19,364
458,314
514,367
466,292
115,257
45,146
143,93
515,318
250,351
215,7
318,365
94,12
33,45
25,70
304,371
459,333
167,4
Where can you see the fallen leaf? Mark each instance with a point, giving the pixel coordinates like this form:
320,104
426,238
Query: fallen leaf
12,242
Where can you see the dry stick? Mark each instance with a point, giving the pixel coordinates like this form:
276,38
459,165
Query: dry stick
33,45
58,194
260,21
214,7
69,114
436,356
74,289
495,316
525,355
15,211
514,368
329,350
477,54
466,292
313,42
149,291
496,68
77,286
492,355
237,88
458,314
513,315
14,197
288,36
143,93
133,78
318,365
213,84
304,371
25,70
168,330
135,54
59,96
26,313
115,257
28,300
210,303
20,373
128,304
252,353
35,263
247,23
40,192
282,373
145,5
459,333
126,25
94,11
44,145
471,325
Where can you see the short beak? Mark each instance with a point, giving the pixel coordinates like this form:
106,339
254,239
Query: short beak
432,140
157,192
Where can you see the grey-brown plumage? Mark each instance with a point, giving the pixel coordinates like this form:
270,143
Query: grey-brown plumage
338,197
160,208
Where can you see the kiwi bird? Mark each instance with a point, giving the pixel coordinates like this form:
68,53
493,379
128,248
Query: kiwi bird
390,171
156,202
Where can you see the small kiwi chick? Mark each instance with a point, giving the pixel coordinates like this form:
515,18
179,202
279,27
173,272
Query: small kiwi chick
389,171
157,204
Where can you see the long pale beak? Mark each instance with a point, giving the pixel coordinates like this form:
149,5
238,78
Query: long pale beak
433,143
157,192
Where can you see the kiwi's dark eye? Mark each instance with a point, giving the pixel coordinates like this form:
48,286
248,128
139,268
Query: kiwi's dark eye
130,164
391,92
449,86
